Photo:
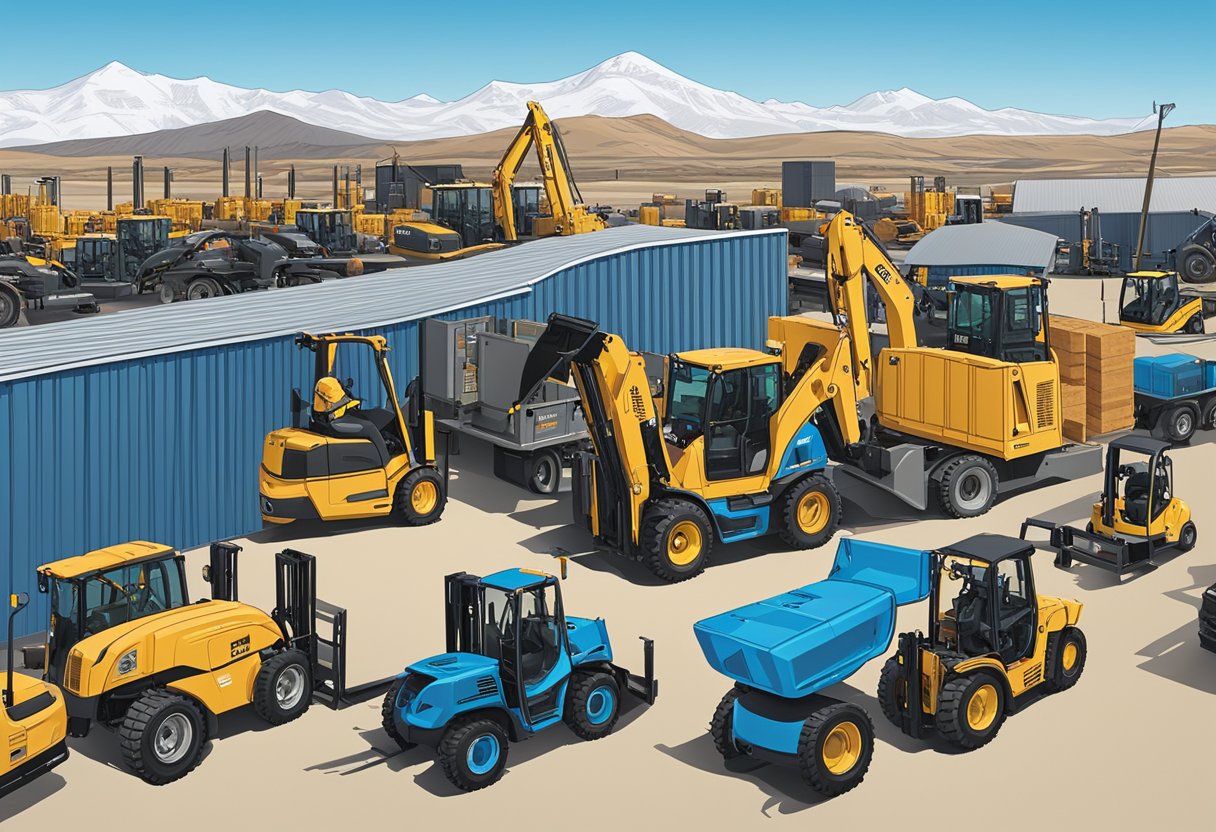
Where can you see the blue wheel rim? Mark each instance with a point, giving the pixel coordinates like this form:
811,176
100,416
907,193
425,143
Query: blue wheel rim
600,705
483,754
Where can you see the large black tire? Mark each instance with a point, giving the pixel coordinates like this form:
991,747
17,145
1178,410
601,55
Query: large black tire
971,709
721,726
166,293
968,486
1196,265
282,690
892,691
544,471
387,708
473,753
202,288
593,704
10,307
1179,423
676,539
1207,418
1065,658
1187,537
835,748
162,736
421,497
1195,325
810,512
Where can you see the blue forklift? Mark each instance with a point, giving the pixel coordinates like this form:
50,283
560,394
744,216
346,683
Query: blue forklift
515,665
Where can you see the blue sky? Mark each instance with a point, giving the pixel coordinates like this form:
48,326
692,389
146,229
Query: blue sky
1078,58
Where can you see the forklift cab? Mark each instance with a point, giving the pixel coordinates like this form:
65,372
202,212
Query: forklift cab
1001,317
514,617
95,592
331,229
467,209
1136,494
994,609
1151,302
727,396
136,239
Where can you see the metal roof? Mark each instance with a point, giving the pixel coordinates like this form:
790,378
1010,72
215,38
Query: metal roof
1179,193
984,244
358,303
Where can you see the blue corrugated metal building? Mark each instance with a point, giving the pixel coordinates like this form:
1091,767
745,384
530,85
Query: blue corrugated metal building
1163,233
149,424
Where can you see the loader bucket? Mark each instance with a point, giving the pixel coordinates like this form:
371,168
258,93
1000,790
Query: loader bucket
565,339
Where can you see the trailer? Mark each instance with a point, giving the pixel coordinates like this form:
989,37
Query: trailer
471,373
1175,395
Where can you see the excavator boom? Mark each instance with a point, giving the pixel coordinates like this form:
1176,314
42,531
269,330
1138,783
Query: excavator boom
568,214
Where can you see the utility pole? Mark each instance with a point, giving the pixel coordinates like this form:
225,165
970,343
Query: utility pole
1162,111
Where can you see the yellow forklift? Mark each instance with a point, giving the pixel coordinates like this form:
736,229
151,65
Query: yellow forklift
998,641
1151,302
352,462
1136,516
134,655
34,718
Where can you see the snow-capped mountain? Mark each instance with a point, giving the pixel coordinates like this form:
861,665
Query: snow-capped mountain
117,100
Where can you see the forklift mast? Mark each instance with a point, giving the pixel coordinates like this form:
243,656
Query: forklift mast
296,600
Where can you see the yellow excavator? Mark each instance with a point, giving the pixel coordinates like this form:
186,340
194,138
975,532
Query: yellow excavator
964,423
567,213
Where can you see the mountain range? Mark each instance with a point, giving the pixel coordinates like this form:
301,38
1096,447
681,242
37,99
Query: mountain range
117,100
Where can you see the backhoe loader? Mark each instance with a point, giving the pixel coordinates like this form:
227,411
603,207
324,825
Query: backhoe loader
964,423
724,450
352,462
134,655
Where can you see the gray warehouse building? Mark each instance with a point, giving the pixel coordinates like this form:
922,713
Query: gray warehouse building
984,248
149,424
1179,206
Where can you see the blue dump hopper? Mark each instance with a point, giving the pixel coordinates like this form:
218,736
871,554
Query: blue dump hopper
1173,375
802,641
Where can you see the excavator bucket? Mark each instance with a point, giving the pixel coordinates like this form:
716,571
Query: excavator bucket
564,340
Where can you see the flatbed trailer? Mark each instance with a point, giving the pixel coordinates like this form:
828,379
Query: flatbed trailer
1175,395
471,376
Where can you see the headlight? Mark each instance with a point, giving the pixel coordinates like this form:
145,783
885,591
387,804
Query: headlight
128,662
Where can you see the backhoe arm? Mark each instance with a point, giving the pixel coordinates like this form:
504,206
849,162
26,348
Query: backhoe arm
817,361
852,254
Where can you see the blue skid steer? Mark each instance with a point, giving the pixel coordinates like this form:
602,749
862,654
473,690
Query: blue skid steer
515,665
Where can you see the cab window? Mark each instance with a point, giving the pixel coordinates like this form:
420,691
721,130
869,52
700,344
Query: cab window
540,642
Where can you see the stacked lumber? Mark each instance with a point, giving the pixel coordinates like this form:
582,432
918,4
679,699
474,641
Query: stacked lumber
1068,341
1096,363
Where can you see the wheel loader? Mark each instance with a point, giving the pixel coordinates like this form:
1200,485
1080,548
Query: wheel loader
352,462
34,719
724,450
134,655
980,659
515,665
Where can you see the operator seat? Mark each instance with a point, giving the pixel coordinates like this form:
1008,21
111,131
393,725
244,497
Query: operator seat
971,615
1135,497
337,414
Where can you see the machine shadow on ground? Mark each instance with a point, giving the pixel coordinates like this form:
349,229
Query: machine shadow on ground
1178,656
30,795
382,751
784,790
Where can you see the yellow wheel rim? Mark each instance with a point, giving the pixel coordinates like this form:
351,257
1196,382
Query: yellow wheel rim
1070,656
424,496
842,748
813,512
684,543
981,708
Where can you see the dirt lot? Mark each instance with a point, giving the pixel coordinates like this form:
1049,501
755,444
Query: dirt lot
1129,747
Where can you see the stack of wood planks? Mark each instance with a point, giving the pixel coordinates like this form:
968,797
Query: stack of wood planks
1096,362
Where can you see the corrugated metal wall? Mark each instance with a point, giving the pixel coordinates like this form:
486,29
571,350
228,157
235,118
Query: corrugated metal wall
1165,231
939,276
167,448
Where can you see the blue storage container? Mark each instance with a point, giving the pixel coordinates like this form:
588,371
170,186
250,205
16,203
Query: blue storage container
1171,376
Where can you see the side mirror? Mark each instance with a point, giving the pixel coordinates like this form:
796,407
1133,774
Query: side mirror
207,572
43,583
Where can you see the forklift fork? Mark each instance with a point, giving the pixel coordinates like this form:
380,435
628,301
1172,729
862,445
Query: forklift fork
645,686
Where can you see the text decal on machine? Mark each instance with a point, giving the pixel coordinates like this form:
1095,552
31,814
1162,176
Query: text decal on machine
240,647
